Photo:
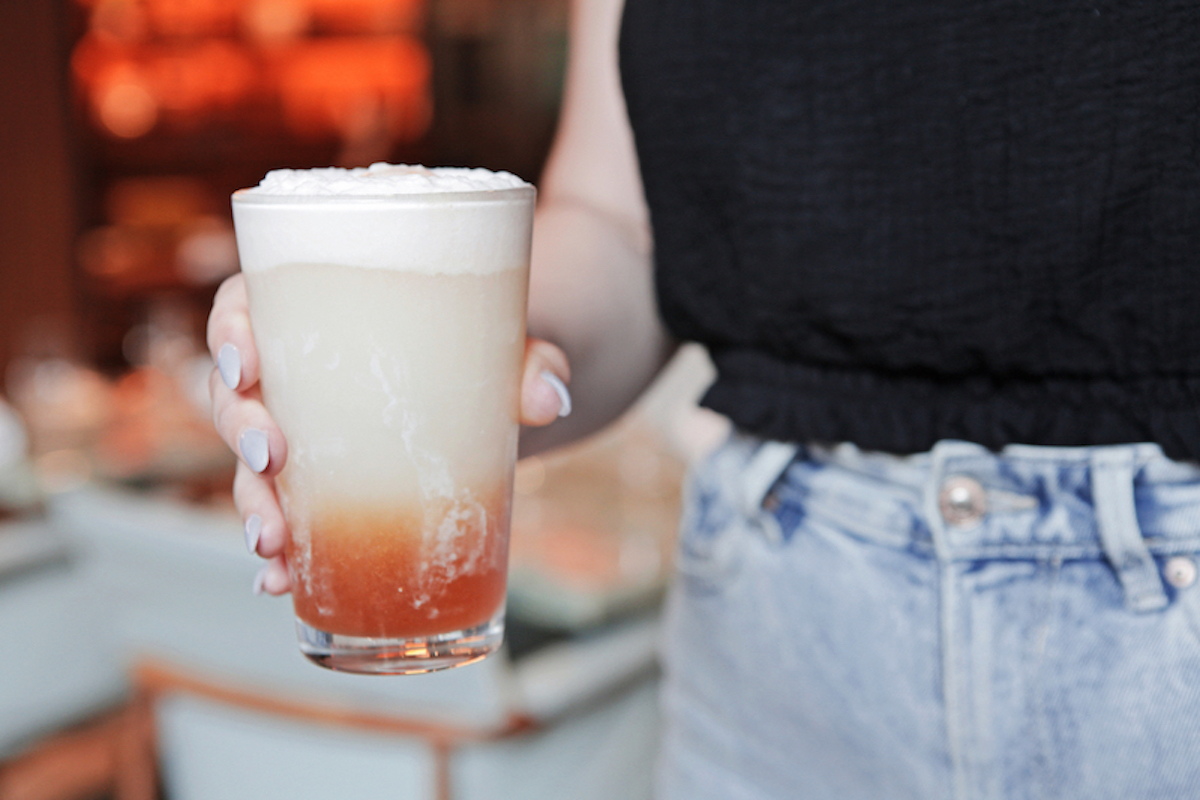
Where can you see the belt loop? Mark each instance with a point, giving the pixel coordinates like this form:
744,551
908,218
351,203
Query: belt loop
762,472
943,452
1120,534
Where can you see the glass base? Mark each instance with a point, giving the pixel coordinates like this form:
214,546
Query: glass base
372,656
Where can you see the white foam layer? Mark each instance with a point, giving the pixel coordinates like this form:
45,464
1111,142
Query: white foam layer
383,179
348,218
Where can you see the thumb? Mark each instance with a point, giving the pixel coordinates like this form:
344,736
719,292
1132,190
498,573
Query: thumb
544,393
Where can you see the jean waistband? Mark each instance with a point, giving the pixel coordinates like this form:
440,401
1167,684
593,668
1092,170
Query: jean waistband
1127,504
962,501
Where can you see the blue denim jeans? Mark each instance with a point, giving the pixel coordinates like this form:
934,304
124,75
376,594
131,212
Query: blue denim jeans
958,624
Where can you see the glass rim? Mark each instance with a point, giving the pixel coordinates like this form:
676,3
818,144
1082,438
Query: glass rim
512,194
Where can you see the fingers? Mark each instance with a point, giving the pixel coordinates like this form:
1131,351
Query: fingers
273,578
230,340
544,393
243,422
264,526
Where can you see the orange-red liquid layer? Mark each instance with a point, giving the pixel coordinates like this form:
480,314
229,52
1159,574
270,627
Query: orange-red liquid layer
368,573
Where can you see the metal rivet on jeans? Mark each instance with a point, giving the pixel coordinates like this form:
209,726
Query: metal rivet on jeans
1180,571
962,501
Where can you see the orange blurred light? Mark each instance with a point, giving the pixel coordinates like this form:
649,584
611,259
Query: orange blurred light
131,88
332,85
371,16
210,75
146,64
193,18
119,20
125,105
275,20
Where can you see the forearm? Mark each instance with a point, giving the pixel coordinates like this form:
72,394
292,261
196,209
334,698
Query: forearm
591,293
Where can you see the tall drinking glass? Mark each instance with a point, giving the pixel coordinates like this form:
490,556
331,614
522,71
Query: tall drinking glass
388,309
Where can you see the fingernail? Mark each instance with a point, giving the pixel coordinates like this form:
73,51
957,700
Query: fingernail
229,364
259,579
253,444
253,530
560,388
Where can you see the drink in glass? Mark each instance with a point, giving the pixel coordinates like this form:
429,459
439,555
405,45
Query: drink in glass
388,309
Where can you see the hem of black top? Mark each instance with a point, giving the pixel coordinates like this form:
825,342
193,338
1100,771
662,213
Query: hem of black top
909,412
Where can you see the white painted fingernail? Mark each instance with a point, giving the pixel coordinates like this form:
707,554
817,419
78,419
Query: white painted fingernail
560,388
253,531
255,451
259,579
229,363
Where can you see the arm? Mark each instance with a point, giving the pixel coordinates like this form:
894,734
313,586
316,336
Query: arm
591,286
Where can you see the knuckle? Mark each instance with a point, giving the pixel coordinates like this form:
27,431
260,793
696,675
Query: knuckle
228,286
239,480
222,406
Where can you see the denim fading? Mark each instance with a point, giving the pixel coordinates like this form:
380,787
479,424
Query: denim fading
831,635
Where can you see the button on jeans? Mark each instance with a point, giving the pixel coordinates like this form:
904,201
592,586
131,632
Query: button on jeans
955,625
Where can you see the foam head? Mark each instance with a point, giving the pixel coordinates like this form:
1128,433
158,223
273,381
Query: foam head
387,216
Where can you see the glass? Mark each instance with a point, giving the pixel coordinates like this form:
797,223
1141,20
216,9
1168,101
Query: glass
391,336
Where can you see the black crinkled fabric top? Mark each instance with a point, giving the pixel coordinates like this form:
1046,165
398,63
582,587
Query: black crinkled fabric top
894,223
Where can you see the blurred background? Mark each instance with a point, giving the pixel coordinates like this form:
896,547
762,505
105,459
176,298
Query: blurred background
138,664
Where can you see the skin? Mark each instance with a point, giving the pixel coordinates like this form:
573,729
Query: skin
592,316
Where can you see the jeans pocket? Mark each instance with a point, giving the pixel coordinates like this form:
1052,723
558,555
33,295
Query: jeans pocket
815,496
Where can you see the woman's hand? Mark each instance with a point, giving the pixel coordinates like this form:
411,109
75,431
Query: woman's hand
244,423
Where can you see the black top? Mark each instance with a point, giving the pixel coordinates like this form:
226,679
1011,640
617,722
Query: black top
898,222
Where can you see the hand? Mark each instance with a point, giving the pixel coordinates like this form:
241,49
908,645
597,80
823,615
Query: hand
244,423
